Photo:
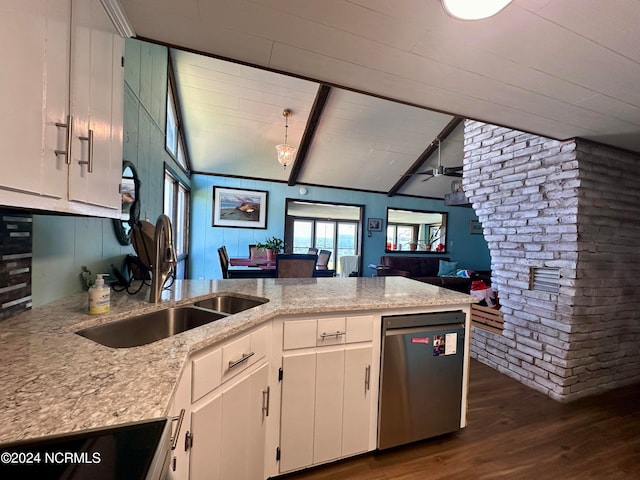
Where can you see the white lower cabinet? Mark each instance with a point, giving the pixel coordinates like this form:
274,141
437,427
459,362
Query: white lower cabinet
328,399
230,407
181,405
360,401
241,423
229,430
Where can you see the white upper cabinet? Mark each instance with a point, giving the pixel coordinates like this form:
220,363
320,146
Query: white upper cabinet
96,106
34,84
62,91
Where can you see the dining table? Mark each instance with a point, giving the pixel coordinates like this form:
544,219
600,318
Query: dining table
261,267
254,267
261,262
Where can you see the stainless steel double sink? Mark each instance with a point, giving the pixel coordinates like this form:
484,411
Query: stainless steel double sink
150,327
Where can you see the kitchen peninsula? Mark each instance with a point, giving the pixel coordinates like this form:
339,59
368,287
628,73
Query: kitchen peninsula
54,381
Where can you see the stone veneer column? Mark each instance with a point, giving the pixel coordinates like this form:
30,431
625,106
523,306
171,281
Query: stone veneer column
575,206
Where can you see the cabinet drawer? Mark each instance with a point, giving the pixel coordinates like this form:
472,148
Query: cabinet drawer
299,334
331,331
359,329
246,350
206,374
259,344
327,331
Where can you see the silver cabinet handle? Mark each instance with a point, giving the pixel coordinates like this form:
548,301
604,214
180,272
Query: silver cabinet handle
266,395
174,437
67,148
244,357
88,162
367,378
337,334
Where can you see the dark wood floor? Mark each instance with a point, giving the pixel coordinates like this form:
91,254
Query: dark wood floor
514,432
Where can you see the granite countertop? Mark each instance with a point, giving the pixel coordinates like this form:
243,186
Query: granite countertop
54,381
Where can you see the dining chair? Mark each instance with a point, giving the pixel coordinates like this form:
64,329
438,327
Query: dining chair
223,257
312,251
295,265
323,259
257,254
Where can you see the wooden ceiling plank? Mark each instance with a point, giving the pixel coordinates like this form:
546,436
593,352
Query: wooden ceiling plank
309,132
433,146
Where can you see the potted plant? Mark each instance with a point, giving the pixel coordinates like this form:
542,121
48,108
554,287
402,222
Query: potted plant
273,246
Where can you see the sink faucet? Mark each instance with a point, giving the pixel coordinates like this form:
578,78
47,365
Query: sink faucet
165,257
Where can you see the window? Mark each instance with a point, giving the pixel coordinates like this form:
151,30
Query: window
176,207
174,133
324,226
171,141
401,237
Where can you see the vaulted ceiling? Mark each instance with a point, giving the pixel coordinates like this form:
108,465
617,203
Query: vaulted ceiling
374,84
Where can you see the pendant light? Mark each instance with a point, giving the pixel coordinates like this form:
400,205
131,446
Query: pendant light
285,151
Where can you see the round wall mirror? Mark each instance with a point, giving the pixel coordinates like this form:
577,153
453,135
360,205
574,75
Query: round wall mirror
130,194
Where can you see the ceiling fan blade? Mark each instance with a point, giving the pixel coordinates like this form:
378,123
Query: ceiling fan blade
454,169
453,174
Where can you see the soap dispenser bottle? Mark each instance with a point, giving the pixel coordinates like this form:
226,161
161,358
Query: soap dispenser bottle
99,296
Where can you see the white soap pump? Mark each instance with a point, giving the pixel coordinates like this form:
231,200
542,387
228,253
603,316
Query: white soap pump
99,296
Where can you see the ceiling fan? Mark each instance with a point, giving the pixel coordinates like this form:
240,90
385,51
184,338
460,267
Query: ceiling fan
441,169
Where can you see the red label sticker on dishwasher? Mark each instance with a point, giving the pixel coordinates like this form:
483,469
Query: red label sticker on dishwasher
424,340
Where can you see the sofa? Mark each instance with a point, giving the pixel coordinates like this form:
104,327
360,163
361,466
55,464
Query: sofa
423,268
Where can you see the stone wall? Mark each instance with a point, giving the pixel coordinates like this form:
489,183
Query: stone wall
570,206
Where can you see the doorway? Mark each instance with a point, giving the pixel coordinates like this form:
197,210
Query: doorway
325,226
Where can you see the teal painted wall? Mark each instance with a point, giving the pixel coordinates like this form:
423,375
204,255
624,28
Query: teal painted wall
470,251
62,244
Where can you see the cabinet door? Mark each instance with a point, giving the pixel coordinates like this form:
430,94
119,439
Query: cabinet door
327,435
229,431
181,401
95,70
243,428
206,421
358,401
34,85
297,411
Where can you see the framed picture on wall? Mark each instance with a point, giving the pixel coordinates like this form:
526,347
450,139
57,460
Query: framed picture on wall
233,207
374,224
475,227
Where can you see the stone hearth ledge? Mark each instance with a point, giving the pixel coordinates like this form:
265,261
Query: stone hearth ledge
54,381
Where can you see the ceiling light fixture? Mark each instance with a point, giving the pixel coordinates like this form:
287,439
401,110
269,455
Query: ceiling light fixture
473,9
285,151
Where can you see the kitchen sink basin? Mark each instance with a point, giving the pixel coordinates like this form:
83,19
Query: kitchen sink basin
150,327
229,303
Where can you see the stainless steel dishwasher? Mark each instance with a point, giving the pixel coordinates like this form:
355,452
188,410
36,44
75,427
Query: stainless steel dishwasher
420,377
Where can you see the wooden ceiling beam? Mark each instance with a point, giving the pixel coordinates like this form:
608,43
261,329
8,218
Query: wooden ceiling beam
309,132
432,147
